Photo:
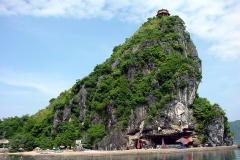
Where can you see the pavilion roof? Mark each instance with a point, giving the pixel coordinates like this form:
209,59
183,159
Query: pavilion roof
165,11
5,141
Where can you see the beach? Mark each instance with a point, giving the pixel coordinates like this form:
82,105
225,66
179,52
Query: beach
95,153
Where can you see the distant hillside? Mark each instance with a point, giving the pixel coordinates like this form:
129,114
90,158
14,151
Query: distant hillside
235,128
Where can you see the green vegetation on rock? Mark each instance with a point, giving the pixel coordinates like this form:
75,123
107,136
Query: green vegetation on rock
204,113
150,69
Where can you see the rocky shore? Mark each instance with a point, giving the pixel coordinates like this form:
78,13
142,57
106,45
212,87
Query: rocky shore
97,153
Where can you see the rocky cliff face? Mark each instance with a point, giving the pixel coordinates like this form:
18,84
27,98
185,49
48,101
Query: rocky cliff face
215,131
175,119
143,92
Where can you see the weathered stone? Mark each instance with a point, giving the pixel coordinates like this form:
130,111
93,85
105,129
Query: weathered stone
187,94
111,118
164,47
116,140
67,112
116,63
151,99
150,65
135,48
82,97
147,43
228,140
56,121
131,72
215,131
99,80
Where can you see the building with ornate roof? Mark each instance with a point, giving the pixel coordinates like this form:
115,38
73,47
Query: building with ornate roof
163,12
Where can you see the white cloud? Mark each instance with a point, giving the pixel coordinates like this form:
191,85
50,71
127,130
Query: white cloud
25,93
47,84
218,25
15,93
215,21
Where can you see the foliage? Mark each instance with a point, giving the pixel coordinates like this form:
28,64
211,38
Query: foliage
96,132
67,134
203,138
12,125
44,142
204,113
25,141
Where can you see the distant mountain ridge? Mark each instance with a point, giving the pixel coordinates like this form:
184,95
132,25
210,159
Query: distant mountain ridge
235,128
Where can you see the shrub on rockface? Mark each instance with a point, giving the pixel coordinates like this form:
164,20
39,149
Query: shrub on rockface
204,113
96,132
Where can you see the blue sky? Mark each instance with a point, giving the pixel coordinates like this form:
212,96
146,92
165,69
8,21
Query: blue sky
45,45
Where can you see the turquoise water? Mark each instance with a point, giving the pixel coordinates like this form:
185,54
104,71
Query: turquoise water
213,155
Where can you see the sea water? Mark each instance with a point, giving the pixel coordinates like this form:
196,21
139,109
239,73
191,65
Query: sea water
212,155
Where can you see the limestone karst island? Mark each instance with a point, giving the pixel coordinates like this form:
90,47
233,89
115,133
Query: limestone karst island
143,96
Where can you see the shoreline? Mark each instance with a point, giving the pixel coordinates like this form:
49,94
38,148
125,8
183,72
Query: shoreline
97,153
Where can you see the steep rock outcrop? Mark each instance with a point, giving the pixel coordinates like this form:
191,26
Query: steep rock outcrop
116,140
215,131
144,92
81,98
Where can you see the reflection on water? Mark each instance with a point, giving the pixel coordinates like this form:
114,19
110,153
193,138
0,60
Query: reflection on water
213,155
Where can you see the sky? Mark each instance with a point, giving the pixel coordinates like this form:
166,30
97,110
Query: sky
46,45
